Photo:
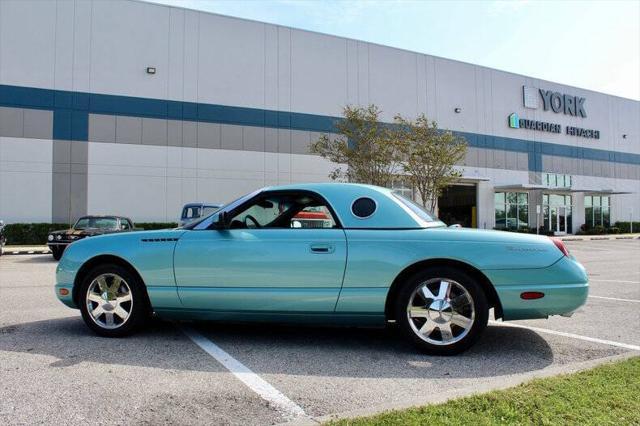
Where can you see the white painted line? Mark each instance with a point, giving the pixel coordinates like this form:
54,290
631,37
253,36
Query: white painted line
614,281
615,298
289,409
571,335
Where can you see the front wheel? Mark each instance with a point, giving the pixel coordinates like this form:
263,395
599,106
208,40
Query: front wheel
57,252
112,301
442,310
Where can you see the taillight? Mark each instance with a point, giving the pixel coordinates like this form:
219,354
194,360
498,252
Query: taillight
531,295
558,242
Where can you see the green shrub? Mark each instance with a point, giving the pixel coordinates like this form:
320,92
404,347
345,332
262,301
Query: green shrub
30,233
22,234
613,230
624,227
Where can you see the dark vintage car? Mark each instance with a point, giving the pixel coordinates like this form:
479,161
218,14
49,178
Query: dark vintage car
87,226
3,238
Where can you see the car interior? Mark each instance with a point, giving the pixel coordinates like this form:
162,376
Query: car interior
284,211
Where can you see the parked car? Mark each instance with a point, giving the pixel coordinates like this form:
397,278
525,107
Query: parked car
3,238
247,262
86,226
194,211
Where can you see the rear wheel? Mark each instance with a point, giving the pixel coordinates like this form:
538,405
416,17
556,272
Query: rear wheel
113,301
442,310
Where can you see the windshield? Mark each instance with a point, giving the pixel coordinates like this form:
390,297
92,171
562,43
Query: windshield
96,223
416,208
227,207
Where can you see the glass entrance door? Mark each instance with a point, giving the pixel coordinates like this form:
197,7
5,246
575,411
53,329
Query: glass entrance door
557,213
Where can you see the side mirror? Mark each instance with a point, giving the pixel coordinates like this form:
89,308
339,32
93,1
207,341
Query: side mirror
223,221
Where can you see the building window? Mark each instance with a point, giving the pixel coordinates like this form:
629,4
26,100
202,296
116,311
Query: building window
512,210
597,211
553,180
402,187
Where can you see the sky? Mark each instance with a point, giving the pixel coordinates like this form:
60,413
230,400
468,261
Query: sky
588,44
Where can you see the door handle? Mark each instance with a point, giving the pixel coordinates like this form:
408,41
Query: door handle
322,248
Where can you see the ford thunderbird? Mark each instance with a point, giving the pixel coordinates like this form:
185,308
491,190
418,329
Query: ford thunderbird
371,257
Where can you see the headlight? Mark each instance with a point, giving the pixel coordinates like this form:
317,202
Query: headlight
58,237
50,238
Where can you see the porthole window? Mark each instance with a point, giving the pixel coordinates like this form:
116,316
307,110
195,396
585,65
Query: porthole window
363,208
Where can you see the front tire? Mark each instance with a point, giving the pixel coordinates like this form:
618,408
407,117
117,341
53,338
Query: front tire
57,252
113,301
442,310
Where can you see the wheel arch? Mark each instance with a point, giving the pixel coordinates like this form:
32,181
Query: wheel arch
489,290
100,260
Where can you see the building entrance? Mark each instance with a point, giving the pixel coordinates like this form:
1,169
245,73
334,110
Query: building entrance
457,205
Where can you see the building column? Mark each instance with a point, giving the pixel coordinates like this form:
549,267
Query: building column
485,205
577,211
535,199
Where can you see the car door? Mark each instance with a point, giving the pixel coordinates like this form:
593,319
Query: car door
294,266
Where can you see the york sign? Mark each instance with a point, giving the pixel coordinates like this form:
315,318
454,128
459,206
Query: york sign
554,101
571,105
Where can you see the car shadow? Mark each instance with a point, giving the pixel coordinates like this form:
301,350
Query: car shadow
276,349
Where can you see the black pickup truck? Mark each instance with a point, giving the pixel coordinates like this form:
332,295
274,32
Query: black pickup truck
87,226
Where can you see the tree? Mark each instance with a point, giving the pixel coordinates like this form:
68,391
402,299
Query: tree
365,148
428,156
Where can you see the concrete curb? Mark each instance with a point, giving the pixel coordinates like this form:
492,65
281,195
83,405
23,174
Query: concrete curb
16,250
601,237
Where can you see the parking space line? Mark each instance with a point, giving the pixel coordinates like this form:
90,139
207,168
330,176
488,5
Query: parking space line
571,335
614,281
289,409
616,298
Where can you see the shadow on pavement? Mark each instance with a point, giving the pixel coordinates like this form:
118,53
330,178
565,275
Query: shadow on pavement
271,349
374,353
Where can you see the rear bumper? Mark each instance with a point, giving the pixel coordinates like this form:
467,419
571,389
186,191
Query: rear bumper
565,286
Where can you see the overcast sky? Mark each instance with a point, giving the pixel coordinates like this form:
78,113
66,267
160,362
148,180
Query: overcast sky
590,44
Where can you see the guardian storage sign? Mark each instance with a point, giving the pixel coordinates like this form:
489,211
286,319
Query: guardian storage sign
515,122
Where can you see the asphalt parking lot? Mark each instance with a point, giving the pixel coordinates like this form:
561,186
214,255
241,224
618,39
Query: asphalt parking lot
53,370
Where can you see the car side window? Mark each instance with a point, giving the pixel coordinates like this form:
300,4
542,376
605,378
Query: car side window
124,225
286,211
313,217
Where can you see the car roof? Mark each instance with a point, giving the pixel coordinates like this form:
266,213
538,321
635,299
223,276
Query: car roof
103,216
202,204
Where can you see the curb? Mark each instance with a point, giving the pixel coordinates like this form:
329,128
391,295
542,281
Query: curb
601,238
29,250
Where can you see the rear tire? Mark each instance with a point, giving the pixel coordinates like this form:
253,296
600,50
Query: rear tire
113,302
442,310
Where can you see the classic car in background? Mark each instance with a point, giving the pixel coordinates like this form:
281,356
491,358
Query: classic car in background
86,226
3,238
249,262
194,211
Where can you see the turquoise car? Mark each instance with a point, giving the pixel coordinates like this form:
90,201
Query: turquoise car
375,258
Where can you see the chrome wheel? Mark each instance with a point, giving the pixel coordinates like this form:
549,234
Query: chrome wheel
109,301
441,311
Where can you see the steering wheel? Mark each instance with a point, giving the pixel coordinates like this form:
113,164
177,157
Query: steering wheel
252,219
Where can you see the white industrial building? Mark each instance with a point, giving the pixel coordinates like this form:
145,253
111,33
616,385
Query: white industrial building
132,108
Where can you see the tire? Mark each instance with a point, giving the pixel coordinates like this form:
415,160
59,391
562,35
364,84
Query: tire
57,252
427,317
113,302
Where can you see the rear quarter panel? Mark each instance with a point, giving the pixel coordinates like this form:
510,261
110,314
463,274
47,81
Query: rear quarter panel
377,257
